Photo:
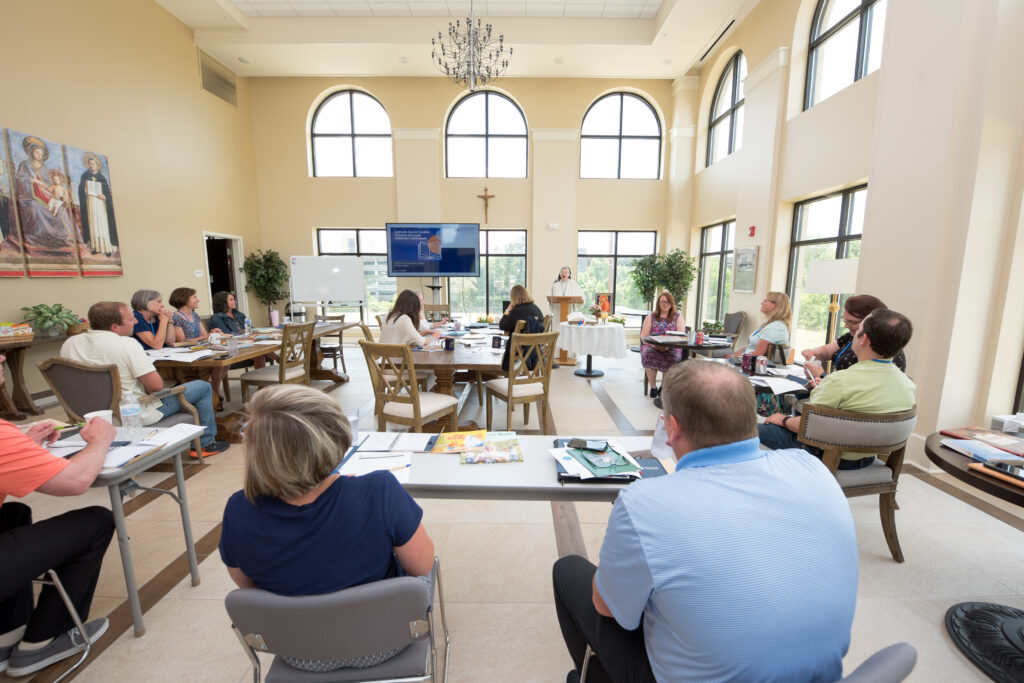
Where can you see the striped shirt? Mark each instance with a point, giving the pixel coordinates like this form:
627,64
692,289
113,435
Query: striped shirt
742,565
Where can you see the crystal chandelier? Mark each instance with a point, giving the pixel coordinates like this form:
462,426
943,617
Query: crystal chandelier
470,55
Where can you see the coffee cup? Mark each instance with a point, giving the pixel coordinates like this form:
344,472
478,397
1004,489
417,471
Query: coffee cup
107,415
449,344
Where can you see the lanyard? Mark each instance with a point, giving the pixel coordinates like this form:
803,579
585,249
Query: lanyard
845,349
882,360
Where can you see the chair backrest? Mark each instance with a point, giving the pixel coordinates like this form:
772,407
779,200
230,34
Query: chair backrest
733,322
889,665
348,624
296,343
835,431
435,312
333,319
547,323
526,348
781,353
82,388
392,373
380,321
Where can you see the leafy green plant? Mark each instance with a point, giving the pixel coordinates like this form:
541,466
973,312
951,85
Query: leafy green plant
674,271
645,276
713,325
49,320
266,275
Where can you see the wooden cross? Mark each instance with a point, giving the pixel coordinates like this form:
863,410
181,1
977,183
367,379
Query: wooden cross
486,197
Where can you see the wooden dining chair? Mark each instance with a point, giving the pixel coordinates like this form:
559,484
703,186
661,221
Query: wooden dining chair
332,350
883,435
522,383
296,351
397,395
437,312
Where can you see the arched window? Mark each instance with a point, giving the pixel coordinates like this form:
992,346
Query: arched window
620,138
485,138
845,46
351,137
725,130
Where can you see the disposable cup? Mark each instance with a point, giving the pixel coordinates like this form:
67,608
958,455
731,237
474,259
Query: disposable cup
107,415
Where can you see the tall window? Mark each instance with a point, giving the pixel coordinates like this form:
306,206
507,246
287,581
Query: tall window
620,138
351,137
371,244
725,130
502,264
824,228
604,262
846,45
485,138
714,286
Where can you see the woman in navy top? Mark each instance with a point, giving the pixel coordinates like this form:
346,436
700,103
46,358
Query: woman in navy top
297,528
153,326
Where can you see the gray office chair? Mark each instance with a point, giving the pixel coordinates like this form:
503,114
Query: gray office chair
889,665
355,623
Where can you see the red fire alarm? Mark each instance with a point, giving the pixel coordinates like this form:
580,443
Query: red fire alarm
750,231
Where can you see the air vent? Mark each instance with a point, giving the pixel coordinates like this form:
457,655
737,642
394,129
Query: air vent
217,79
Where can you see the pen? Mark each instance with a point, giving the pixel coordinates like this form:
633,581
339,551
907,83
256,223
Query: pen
399,468
70,426
151,434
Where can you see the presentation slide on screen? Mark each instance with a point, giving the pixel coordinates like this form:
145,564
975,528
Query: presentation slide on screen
441,249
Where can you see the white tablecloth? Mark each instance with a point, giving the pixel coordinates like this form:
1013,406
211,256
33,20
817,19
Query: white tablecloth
607,340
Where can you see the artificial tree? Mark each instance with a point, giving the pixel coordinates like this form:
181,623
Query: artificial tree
673,271
266,274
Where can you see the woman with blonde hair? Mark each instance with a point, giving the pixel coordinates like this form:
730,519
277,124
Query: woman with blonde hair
299,528
776,327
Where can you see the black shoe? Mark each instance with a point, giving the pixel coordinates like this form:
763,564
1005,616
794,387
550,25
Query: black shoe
63,646
655,392
657,402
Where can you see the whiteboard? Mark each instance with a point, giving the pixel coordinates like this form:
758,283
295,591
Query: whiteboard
328,278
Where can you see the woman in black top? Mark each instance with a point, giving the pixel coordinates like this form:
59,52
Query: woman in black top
840,351
520,307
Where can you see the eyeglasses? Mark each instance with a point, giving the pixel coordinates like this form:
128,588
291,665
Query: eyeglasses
851,321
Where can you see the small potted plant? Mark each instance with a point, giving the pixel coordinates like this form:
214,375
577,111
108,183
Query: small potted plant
50,321
712,326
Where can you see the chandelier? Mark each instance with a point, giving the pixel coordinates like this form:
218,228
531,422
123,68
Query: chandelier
470,55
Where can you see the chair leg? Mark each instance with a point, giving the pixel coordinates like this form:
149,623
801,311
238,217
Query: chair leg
245,391
542,415
586,663
226,386
54,581
341,353
646,384
526,414
490,411
886,505
480,387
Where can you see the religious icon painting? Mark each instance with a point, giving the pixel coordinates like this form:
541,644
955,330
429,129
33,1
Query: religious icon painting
12,257
49,234
606,301
93,212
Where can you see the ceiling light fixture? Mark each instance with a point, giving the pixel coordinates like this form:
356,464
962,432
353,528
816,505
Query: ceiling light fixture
469,55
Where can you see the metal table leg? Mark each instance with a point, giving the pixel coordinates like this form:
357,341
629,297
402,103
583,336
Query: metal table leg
186,521
126,558
590,371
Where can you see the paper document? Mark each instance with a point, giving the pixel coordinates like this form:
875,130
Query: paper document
665,338
397,463
569,463
778,385
168,435
378,441
192,356
412,441
119,456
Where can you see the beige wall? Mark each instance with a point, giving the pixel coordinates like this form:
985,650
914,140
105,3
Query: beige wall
121,77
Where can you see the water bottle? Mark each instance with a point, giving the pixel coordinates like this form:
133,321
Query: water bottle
131,416
232,346
248,327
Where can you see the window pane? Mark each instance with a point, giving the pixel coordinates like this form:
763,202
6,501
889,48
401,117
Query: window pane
506,158
820,219
876,27
603,117
857,201
333,156
337,241
468,116
373,157
504,117
506,241
373,242
334,115
370,116
835,63
710,271
730,235
594,275
380,289
712,238
628,301
834,11
727,291
466,295
599,158
724,99
738,142
743,75
718,140
594,242
635,243
637,117
640,158
502,273
810,311
466,158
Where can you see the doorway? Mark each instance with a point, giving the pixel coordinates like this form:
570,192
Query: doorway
223,258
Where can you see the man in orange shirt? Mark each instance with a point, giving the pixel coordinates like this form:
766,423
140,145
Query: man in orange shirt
72,544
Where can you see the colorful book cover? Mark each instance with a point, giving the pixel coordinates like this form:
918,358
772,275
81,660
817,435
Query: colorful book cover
978,450
458,442
1001,440
497,447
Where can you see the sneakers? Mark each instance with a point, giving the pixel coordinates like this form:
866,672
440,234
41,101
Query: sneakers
657,402
214,448
5,654
655,392
62,647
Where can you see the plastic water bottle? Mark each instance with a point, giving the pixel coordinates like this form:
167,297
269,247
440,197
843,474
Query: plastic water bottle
248,327
131,416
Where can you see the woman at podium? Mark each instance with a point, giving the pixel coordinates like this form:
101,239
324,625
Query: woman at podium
564,285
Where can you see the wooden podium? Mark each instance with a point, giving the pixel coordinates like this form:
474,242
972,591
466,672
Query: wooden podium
563,315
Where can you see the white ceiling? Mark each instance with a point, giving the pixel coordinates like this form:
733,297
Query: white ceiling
550,38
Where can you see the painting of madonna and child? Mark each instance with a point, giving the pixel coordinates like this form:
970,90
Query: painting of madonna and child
63,207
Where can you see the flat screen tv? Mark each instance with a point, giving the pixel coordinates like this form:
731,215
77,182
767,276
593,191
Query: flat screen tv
433,249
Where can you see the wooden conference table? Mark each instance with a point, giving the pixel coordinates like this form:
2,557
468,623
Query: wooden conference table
680,342
989,634
446,363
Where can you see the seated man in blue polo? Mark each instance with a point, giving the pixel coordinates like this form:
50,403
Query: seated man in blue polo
873,385
741,565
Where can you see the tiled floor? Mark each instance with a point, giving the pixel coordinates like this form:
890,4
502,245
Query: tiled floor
497,557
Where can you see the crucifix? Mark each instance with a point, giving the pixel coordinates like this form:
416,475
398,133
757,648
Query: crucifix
486,197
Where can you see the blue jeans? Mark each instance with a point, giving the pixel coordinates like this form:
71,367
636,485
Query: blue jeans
199,394
776,437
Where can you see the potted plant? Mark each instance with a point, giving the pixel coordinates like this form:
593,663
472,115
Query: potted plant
645,277
49,321
266,274
676,273
712,326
